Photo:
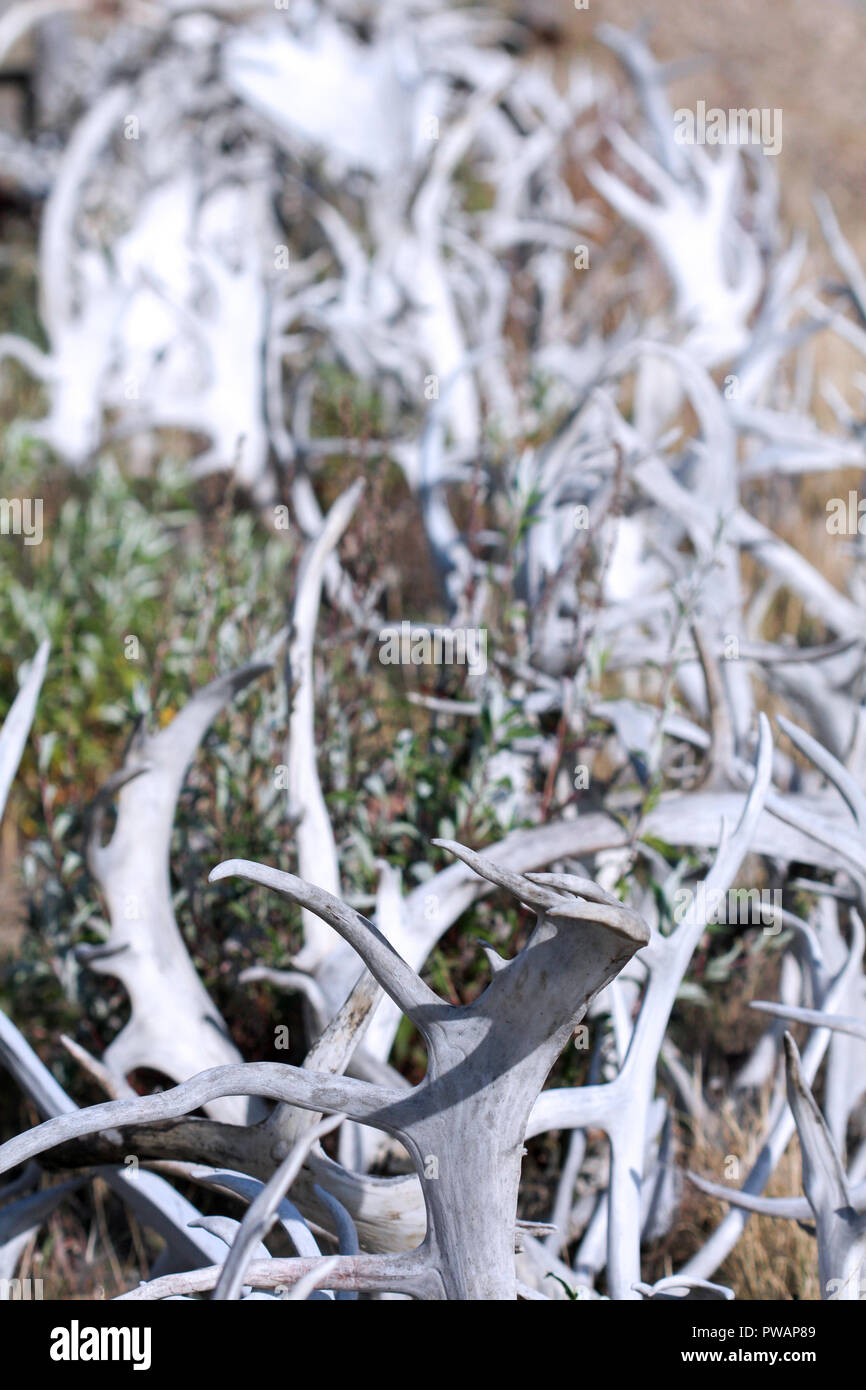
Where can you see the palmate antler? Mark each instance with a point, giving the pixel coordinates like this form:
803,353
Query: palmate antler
464,1124
174,1025
154,1201
694,222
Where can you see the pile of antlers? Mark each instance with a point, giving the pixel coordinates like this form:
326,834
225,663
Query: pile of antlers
206,246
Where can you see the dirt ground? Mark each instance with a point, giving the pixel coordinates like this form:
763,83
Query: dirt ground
803,57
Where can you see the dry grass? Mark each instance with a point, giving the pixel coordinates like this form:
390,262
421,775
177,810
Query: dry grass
774,1259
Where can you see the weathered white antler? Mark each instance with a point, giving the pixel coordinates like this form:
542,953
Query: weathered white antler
841,1231
695,223
464,1124
153,1199
174,1026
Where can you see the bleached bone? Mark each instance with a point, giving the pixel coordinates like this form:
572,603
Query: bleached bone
649,79
374,1273
350,99
659,1196
317,852
773,337
692,820
226,1229
781,1208
842,1023
779,1128
406,228
782,443
621,1107
841,1231
19,19
822,693
153,1200
844,1085
174,1025
695,229
80,319
843,253
514,136
689,1290
228,329
313,1280
196,280
760,1066
115,1087
707,512
374,1204
487,1063
263,1209
16,725
835,609
288,1215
